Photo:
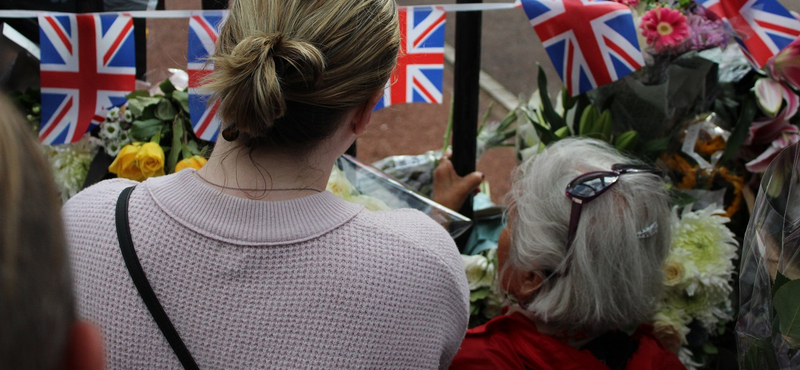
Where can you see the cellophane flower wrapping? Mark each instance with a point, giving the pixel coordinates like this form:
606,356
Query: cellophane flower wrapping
361,183
768,328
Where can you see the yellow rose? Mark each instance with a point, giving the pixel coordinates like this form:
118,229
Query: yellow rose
195,162
124,164
150,160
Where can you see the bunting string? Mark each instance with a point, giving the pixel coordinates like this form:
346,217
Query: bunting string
166,14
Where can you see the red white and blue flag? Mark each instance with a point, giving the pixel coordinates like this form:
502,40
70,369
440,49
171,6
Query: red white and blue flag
88,65
591,43
203,33
419,73
762,27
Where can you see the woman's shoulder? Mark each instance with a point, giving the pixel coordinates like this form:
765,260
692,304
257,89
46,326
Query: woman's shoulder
505,342
414,231
97,196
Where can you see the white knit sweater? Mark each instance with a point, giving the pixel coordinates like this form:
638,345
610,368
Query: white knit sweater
310,283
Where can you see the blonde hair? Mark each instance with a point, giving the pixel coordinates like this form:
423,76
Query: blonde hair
36,304
615,278
287,70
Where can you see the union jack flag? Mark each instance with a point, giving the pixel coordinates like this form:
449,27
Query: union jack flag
420,65
203,32
762,27
88,65
591,43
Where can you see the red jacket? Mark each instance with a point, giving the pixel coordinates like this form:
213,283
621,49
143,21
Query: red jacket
513,342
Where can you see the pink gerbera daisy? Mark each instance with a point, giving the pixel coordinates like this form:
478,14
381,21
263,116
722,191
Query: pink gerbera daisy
664,28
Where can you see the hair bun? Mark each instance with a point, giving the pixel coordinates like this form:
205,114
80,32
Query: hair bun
261,73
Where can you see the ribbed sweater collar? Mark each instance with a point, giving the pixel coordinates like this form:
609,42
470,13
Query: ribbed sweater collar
237,220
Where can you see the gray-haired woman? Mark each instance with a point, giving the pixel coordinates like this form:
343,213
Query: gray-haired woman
582,257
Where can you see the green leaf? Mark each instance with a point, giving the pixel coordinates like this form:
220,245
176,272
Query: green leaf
156,138
681,198
137,94
562,132
177,144
627,141
185,152
604,125
474,309
448,132
587,122
760,356
138,105
739,133
710,348
479,294
556,122
182,97
144,130
167,87
780,280
567,101
165,111
192,145
656,146
204,151
787,306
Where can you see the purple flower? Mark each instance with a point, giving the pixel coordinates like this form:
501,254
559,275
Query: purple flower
704,33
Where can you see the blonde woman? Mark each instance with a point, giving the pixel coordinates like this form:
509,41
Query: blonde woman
248,263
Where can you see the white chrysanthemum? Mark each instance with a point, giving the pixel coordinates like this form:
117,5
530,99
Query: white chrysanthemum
124,138
70,165
112,115
712,247
110,131
674,319
112,149
479,270
685,355
126,117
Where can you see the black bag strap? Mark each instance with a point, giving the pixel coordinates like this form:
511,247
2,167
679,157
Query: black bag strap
143,286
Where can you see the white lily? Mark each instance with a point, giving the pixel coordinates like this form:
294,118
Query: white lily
770,95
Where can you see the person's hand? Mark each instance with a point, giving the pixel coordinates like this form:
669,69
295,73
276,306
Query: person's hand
449,189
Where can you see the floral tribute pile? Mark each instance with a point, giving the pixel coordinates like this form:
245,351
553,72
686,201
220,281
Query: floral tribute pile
701,112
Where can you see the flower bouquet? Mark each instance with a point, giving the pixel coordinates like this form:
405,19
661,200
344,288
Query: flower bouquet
702,113
767,329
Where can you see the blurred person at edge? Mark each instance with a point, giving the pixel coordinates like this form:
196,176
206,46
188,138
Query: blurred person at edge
254,263
582,306
38,328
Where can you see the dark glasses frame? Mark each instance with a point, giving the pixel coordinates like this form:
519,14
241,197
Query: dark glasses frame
587,187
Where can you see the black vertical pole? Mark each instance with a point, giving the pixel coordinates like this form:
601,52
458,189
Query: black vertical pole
214,4
140,44
465,99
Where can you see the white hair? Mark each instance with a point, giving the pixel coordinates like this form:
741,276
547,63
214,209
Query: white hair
614,278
